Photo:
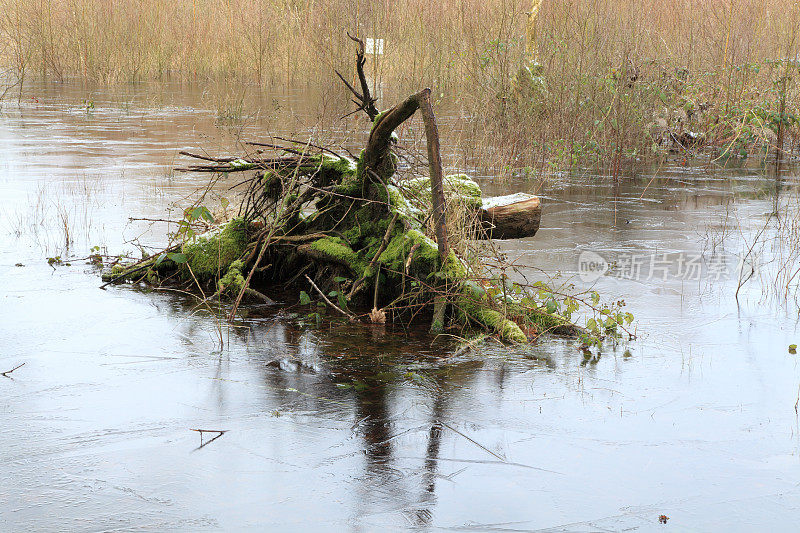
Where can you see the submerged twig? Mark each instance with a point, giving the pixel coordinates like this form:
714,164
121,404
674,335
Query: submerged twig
345,313
476,443
469,345
145,263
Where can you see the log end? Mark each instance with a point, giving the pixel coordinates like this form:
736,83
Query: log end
513,216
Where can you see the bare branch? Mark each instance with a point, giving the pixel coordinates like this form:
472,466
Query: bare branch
365,101
7,372
345,313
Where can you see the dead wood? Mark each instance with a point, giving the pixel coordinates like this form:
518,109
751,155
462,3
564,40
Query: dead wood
7,372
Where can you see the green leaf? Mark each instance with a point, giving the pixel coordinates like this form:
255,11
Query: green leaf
161,258
339,279
305,299
225,202
201,212
178,258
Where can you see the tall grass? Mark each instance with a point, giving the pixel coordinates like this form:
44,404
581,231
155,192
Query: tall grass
613,68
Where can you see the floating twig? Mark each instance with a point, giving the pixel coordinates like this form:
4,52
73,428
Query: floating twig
7,372
220,432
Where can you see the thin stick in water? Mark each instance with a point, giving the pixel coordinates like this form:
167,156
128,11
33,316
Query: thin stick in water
7,372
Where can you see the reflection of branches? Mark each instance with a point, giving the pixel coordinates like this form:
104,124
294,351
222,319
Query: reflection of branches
7,89
748,254
423,516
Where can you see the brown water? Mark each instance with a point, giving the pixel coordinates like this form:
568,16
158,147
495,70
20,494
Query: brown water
365,428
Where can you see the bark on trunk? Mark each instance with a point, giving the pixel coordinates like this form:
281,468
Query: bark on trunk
511,217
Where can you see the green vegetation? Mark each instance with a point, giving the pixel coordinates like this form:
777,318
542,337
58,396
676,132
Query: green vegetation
362,251
209,255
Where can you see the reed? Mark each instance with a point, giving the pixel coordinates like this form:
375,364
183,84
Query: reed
615,69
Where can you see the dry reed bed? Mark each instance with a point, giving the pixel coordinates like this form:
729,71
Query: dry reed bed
613,68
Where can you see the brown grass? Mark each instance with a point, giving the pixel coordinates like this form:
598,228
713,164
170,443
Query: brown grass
718,57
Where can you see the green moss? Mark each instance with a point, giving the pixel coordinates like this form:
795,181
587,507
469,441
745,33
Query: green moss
437,324
508,330
381,226
353,235
426,256
377,119
114,272
128,273
152,277
476,305
409,211
543,321
353,180
529,83
465,189
209,255
338,251
233,280
360,165
458,188
241,164
350,186
454,268
342,165
272,184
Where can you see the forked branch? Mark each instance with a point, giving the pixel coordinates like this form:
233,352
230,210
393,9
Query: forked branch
364,99
7,372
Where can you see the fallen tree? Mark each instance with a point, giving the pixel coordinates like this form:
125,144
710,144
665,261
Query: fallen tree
348,229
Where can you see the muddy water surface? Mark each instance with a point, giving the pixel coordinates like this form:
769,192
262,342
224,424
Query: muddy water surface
345,428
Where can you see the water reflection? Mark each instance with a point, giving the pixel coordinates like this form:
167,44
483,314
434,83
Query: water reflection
342,427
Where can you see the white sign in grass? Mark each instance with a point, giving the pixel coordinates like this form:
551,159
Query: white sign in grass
374,46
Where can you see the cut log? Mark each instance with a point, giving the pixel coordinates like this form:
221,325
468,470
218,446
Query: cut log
512,216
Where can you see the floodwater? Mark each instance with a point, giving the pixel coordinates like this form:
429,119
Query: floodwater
360,428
